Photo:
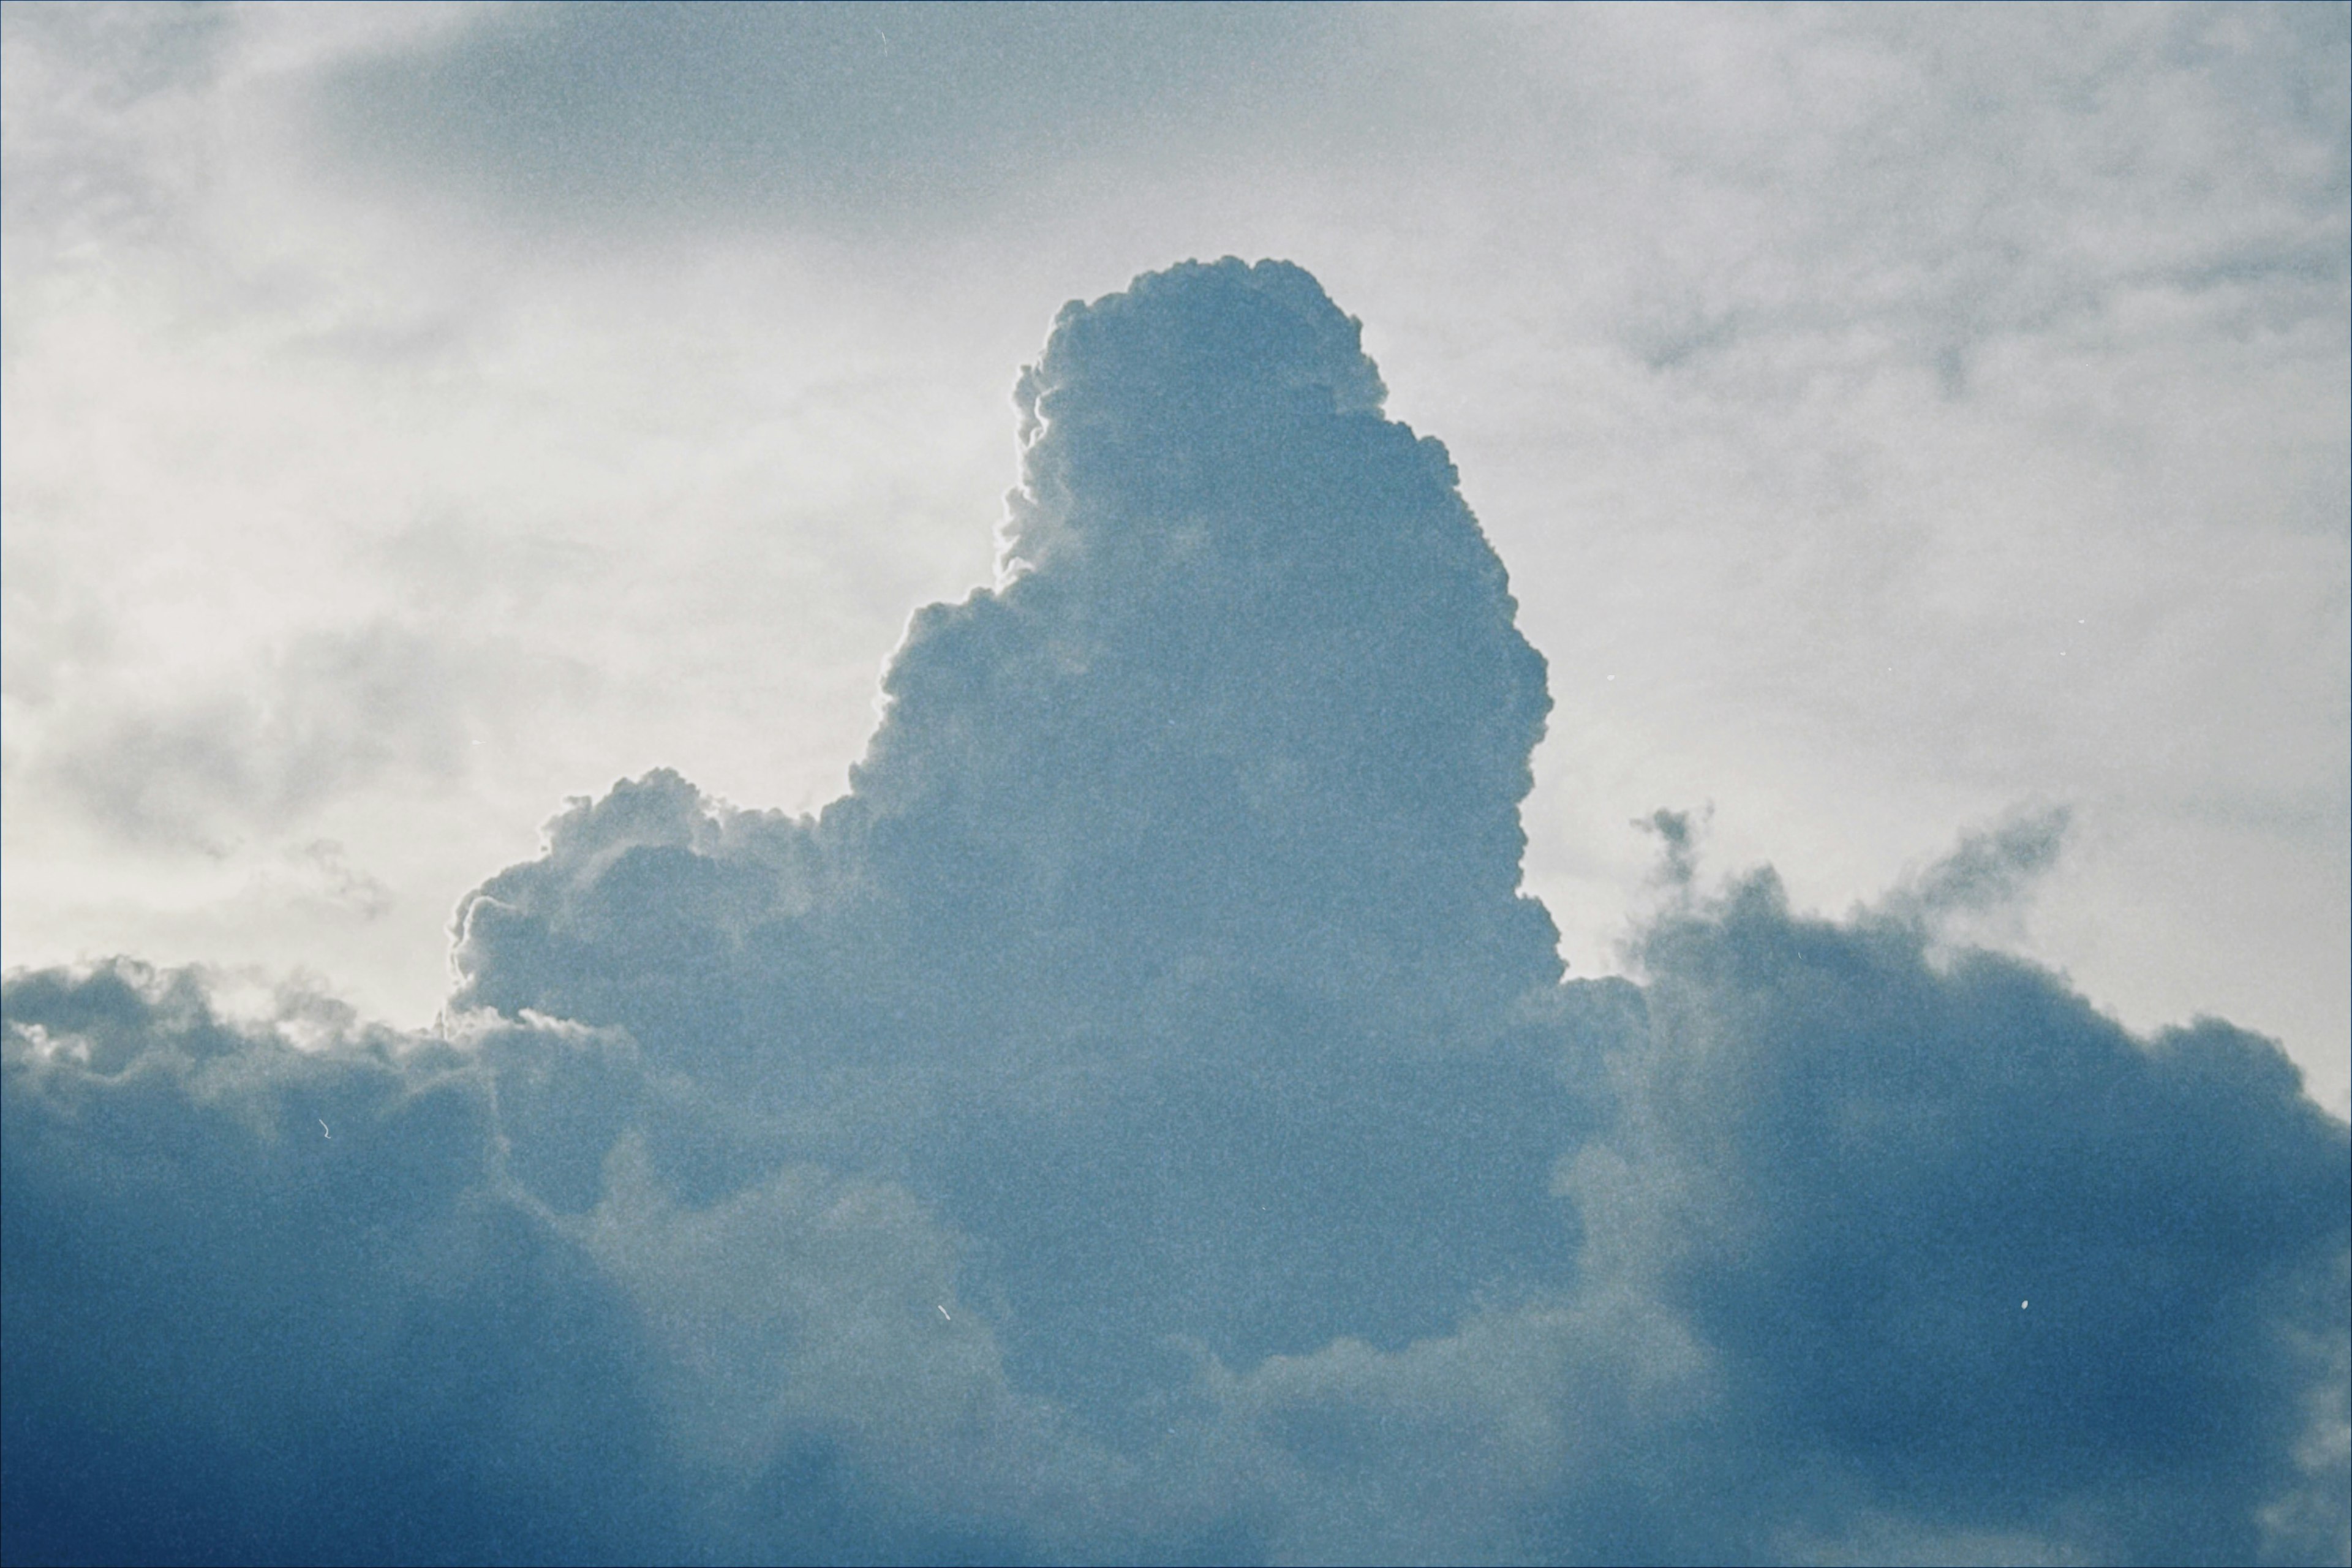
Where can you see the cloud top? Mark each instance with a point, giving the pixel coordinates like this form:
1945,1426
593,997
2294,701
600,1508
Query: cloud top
1252,706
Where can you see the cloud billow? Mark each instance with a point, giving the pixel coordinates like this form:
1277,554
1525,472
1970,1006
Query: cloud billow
1144,1119
257,1307
1946,1227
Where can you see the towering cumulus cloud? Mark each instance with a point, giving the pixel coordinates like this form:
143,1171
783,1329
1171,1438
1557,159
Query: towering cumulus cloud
1143,1119
1171,920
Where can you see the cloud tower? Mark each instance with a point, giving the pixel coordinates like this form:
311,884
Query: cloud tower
1181,860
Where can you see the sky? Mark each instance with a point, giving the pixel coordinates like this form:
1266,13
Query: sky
793,896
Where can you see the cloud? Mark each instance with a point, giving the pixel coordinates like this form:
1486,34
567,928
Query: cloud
1173,859
332,710
230,1333
1884,1260
1989,869
825,114
1144,1119
2042,181
1955,1234
1253,687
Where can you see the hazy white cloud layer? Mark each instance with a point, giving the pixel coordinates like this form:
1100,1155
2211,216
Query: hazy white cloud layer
1154,1105
1891,417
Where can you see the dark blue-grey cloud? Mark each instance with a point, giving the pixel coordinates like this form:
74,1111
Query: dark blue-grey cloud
298,1289
231,1335
1143,1120
1945,1228
820,113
